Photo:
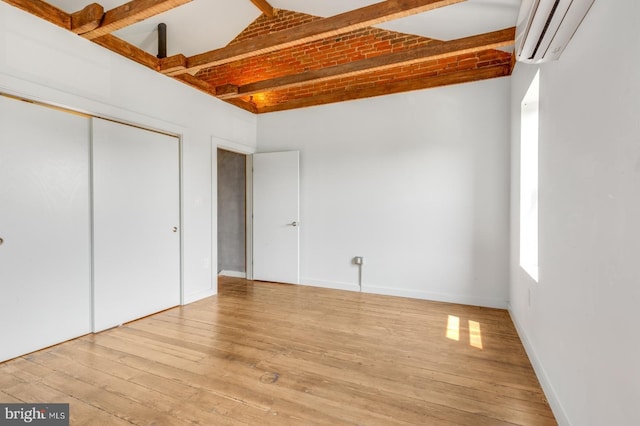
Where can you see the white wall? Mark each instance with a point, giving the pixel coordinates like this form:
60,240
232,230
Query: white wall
582,326
416,183
43,62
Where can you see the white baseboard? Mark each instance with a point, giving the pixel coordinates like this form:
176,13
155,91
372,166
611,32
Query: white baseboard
413,294
336,285
233,274
190,298
549,391
438,297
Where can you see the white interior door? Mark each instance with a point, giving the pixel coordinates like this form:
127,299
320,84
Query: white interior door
136,199
45,275
275,217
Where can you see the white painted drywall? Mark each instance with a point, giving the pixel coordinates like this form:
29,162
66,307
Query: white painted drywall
581,327
416,183
41,61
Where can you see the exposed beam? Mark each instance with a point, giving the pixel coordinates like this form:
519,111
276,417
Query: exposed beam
174,62
230,91
394,87
315,30
130,51
264,7
87,19
248,106
130,13
429,52
197,83
43,10
205,87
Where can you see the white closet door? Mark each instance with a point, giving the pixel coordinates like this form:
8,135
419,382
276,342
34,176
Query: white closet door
136,199
45,276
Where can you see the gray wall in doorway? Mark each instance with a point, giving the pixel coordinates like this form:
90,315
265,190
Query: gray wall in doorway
231,211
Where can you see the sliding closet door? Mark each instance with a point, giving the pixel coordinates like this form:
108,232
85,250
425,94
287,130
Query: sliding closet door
45,277
136,203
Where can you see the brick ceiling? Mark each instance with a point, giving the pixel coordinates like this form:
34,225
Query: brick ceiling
342,49
286,60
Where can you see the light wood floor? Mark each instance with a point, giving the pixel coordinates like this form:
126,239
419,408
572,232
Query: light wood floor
261,353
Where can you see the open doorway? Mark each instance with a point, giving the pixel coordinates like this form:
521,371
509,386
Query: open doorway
232,208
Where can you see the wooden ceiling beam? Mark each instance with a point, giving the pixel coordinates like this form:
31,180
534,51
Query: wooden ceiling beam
131,13
229,91
175,62
205,87
128,50
432,51
43,10
201,85
246,105
456,77
264,7
315,30
87,19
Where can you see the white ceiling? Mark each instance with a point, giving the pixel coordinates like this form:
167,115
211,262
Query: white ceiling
200,26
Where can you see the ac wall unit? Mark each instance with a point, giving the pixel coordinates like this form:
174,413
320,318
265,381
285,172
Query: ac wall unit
545,27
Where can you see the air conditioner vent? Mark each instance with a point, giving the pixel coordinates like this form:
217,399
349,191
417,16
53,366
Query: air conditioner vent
545,27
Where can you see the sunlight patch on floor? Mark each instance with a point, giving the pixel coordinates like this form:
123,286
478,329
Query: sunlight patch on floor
453,328
453,331
475,335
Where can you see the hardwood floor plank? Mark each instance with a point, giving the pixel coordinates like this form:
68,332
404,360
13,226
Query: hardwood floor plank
411,392
10,399
79,412
264,353
121,407
205,395
169,379
392,350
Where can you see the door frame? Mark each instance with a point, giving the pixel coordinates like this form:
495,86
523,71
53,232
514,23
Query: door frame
217,142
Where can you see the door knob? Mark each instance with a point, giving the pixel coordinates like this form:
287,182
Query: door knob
294,223
1,241
175,229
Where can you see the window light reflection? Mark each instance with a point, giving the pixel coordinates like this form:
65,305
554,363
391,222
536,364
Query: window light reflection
475,335
453,328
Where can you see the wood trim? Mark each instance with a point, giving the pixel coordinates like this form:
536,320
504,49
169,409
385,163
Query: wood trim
315,30
264,7
393,87
196,83
430,52
229,91
205,87
245,105
87,19
44,11
130,13
173,63
128,50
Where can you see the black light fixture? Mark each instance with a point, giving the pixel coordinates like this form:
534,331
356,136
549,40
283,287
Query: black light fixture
162,40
